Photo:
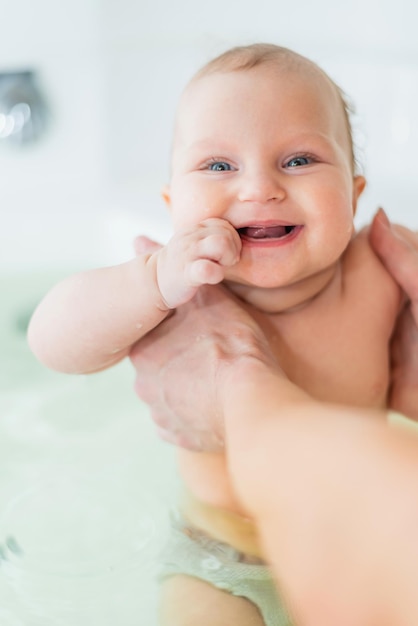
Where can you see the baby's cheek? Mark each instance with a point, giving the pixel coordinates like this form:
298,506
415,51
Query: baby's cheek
188,215
192,203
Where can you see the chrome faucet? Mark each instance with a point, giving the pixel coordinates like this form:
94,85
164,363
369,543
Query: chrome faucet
23,110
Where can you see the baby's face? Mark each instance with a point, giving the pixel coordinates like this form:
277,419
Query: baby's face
268,151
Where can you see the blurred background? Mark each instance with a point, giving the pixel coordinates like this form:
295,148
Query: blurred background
88,90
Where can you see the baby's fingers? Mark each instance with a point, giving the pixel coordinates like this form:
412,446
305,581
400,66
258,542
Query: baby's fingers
221,247
205,272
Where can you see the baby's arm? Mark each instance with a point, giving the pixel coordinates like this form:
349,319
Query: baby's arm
90,320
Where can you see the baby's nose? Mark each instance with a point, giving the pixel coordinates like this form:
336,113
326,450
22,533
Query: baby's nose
260,187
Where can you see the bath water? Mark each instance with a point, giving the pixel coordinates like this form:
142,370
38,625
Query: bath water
85,486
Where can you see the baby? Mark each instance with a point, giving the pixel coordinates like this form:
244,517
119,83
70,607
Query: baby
263,193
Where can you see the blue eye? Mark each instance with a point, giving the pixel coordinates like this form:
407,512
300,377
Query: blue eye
299,161
219,166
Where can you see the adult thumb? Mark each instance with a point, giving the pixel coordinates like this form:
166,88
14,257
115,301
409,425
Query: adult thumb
145,245
395,248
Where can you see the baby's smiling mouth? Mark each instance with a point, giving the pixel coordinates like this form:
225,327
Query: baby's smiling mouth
266,232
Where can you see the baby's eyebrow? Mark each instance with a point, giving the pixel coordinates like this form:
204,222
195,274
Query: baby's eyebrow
210,144
290,140
201,150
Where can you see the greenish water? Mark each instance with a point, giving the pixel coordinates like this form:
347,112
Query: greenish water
85,486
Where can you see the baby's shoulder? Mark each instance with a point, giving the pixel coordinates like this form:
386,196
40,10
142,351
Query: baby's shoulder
361,241
360,248
363,271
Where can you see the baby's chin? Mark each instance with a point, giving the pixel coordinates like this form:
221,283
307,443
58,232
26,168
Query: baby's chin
279,294
266,298
240,278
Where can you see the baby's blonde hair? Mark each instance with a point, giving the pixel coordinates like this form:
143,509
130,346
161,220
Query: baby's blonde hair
241,58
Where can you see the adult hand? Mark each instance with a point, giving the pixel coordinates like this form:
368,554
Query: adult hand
182,365
397,248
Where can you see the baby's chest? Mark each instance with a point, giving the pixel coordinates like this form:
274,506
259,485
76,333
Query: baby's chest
340,358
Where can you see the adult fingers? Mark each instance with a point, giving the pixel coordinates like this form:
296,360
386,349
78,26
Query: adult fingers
145,245
397,253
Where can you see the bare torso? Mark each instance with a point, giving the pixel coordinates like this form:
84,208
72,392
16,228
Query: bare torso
336,347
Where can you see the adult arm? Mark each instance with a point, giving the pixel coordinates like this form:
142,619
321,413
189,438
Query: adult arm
333,490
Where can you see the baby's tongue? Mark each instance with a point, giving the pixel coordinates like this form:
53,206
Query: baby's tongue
259,232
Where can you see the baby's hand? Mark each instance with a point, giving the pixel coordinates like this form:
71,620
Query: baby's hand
196,257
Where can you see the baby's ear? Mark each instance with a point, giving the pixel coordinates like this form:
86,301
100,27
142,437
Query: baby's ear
359,184
165,194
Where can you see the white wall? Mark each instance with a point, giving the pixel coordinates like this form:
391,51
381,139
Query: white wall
49,187
113,70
